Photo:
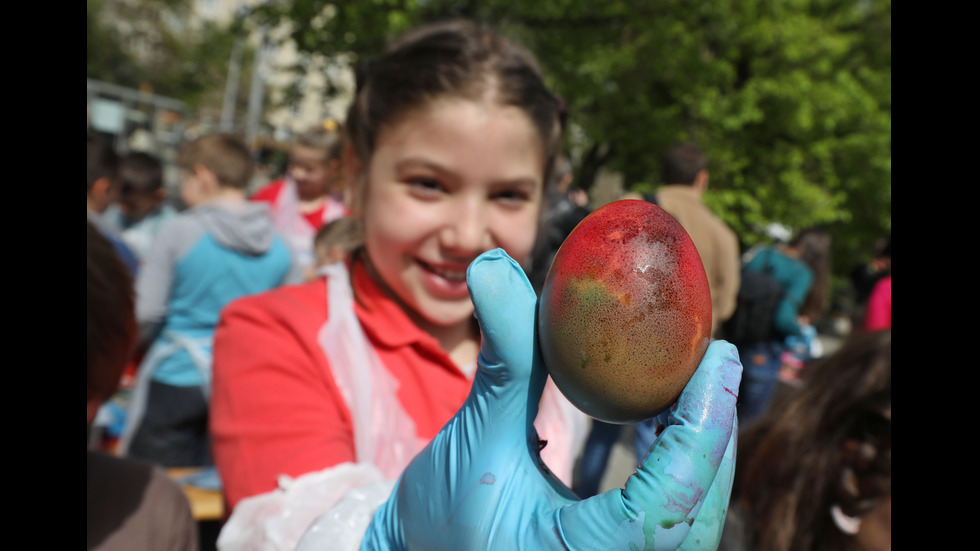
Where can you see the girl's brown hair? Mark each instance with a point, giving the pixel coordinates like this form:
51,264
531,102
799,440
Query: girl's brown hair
326,137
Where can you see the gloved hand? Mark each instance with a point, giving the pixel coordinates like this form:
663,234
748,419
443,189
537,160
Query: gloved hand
480,484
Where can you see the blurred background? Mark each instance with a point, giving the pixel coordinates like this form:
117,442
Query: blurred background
790,100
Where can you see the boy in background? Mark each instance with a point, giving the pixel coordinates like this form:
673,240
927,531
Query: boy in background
141,206
135,216
221,248
103,189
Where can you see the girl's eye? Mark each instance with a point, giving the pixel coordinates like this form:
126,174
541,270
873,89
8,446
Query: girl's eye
513,197
426,187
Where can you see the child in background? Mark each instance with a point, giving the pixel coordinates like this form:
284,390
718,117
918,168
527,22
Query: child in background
221,248
878,311
103,192
141,206
865,275
129,504
311,193
103,189
334,241
802,269
814,471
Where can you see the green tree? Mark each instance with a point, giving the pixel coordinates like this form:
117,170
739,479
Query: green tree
105,57
791,100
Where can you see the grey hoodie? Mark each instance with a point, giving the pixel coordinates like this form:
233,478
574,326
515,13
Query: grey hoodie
241,226
244,227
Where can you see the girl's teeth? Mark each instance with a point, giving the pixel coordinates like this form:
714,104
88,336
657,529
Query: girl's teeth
451,275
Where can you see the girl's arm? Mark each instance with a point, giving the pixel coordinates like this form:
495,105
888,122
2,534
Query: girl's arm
155,280
794,293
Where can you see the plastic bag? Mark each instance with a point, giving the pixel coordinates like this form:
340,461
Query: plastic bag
343,527
341,499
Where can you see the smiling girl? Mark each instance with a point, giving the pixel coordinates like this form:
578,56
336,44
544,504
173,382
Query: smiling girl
451,137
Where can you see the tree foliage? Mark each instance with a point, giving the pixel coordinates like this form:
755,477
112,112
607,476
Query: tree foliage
178,61
791,100
105,58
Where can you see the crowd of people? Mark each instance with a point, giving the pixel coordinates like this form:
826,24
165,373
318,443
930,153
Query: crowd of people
352,346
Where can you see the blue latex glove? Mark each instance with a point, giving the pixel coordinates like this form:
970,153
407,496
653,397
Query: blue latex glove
481,484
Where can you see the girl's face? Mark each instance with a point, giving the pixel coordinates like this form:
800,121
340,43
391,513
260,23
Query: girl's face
311,171
445,184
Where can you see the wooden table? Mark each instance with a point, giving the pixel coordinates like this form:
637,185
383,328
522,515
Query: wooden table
205,504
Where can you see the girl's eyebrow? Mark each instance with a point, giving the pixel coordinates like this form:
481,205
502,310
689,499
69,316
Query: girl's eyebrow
418,162
412,163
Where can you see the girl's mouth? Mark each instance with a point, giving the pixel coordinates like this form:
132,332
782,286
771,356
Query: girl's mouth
446,281
452,275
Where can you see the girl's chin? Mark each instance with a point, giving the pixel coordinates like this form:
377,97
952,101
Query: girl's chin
311,189
447,319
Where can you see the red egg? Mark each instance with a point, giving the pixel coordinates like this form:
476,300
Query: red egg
625,313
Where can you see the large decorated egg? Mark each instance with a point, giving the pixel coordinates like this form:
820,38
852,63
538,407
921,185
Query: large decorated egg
625,312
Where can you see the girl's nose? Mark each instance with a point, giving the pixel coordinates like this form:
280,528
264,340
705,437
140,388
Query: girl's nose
467,231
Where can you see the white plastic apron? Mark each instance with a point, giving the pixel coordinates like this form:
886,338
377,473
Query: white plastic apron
169,343
384,433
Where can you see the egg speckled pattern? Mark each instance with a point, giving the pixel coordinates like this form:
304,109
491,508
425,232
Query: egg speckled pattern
625,313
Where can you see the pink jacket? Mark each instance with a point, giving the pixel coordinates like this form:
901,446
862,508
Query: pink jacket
879,312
